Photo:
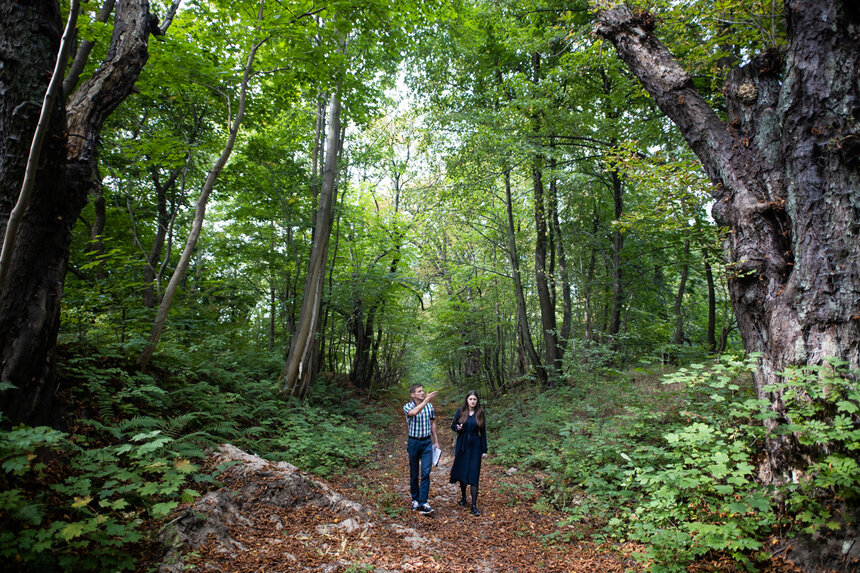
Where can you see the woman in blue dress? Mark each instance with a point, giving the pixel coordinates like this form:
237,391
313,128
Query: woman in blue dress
471,447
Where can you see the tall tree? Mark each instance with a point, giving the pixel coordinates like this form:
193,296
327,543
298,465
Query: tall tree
200,212
524,333
542,280
301,365
30,303
784,164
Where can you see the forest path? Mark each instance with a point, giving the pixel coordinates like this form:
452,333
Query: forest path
281,528
508,536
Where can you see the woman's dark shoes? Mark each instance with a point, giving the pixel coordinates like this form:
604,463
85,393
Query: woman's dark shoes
475,511
463,503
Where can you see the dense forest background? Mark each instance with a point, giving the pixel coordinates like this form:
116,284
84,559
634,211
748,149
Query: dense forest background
290,211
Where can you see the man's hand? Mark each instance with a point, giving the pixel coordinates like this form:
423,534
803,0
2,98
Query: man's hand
430,396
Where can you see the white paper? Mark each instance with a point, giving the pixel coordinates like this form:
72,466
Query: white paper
437,453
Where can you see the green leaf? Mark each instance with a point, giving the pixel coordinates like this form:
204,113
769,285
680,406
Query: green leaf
847,407
163,509
73,530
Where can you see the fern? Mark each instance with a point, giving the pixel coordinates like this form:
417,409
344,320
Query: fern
173,426
141,423
31,513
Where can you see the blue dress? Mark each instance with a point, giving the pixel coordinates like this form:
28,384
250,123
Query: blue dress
471,443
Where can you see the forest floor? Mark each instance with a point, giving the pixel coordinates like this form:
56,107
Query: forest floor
513,534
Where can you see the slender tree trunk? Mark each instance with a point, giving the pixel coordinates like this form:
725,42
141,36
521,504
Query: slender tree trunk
545,299
325,309
199,216
617,246
525,337
97,231
547,309
300,368
587,288
273,314
678,337
711,329
162,220
564,279
30,305
786,176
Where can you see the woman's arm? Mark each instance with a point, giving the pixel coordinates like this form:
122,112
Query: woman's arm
484,438
454,424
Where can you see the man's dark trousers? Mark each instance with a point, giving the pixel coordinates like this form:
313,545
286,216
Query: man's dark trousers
420,451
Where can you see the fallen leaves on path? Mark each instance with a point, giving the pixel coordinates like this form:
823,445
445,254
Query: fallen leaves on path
510,536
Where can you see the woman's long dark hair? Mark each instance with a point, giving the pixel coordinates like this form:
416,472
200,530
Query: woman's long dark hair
464,410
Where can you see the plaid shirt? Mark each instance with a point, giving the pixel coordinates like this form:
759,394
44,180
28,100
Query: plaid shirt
419,424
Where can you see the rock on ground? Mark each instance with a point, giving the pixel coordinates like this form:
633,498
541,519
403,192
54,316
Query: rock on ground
257,484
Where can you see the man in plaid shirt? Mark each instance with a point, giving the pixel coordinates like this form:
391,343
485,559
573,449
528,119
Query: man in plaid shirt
421,423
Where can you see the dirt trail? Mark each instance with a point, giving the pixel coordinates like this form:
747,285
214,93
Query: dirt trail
276,529
508,536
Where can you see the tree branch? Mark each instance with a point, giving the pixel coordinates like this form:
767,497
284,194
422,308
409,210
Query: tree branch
672,89
83,53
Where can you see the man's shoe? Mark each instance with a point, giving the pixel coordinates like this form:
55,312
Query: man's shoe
463,503
425,509
414,505
475,511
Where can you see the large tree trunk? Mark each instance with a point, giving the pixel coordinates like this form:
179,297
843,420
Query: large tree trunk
300,367
30,305
787,177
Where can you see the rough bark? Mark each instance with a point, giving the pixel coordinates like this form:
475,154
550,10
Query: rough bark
300,368
73,74
30,306
42,129
786,179
29,40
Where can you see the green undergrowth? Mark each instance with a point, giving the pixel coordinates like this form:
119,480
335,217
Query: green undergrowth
91,497
670,460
